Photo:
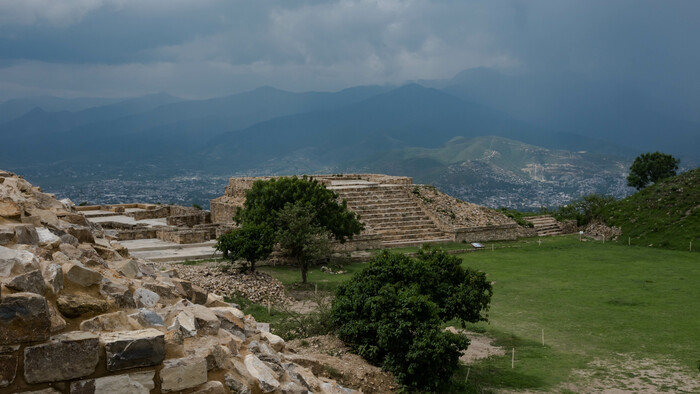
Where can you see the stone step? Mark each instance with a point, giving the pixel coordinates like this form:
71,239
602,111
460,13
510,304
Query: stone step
392,238
417,242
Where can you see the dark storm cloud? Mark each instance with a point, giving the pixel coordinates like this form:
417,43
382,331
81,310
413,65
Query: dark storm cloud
214,47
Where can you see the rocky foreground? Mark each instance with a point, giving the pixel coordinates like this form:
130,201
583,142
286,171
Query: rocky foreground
78,315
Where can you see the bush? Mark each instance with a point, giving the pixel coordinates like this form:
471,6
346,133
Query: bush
391,314
515,215
585,209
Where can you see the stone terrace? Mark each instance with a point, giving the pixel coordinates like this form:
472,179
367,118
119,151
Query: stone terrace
394,215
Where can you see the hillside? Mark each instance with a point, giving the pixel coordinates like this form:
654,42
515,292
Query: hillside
666,214
495,171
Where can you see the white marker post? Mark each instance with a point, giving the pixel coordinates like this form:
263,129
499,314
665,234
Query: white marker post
580,236
512,360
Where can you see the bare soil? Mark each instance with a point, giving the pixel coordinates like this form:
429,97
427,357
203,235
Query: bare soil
336,362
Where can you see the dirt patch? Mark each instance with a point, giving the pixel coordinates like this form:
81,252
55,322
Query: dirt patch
330,357
628,374
480,346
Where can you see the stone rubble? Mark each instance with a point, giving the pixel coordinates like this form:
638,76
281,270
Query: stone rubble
81,316
257,287
458,212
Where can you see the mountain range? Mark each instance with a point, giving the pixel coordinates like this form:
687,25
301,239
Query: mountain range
440,132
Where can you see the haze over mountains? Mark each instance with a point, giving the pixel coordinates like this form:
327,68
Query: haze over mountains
407,130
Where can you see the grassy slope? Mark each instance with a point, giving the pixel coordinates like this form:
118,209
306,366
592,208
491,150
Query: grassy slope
666,214
594,301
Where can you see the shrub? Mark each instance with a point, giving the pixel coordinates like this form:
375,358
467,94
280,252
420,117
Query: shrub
391,313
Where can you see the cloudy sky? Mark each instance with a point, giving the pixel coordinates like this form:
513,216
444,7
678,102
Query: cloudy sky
206,48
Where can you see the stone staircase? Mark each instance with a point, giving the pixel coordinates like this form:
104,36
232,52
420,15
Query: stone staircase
545,225
389,211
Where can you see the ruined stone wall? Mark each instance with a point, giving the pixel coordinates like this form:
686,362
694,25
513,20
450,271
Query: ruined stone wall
488,233
359,242
77,315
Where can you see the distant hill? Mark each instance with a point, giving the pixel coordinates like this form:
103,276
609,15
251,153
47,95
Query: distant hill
666,214
500,172
599,109
13,109
409,116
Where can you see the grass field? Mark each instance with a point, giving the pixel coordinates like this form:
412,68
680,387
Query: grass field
613,316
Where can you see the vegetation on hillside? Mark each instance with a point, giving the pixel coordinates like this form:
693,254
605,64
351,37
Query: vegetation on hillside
665,214
650,168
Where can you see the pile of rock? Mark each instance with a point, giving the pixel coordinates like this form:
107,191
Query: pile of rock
600,230
220,279
77,315
457,212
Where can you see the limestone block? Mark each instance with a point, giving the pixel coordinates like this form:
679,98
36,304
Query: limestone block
119,293
211,387
214,300
75,218
148,269
162,289
183,373
262,373
43,391
67,204
145,298
26,234
69,239
30,282
128,268
183,287
148,318
186,323
231,320
207,321
60,258
24,317
81,275
57,321
71,251
7,236
292,388
302,376
236,384
116,321
106,252
47,238
199,295
8,369
9,208
47,217
66,356
74,305
83,233
134,383
275,341
32,221
335,388
53,275
131,349
13,262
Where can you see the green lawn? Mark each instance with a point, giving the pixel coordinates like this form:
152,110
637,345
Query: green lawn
594,301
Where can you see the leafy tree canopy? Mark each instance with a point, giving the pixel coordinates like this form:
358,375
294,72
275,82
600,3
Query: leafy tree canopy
649,168
251,242
265,199
391,313
298,214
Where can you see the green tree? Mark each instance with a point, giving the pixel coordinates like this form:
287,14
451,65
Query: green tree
392,312
649,168
299,237
303,204
251,242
